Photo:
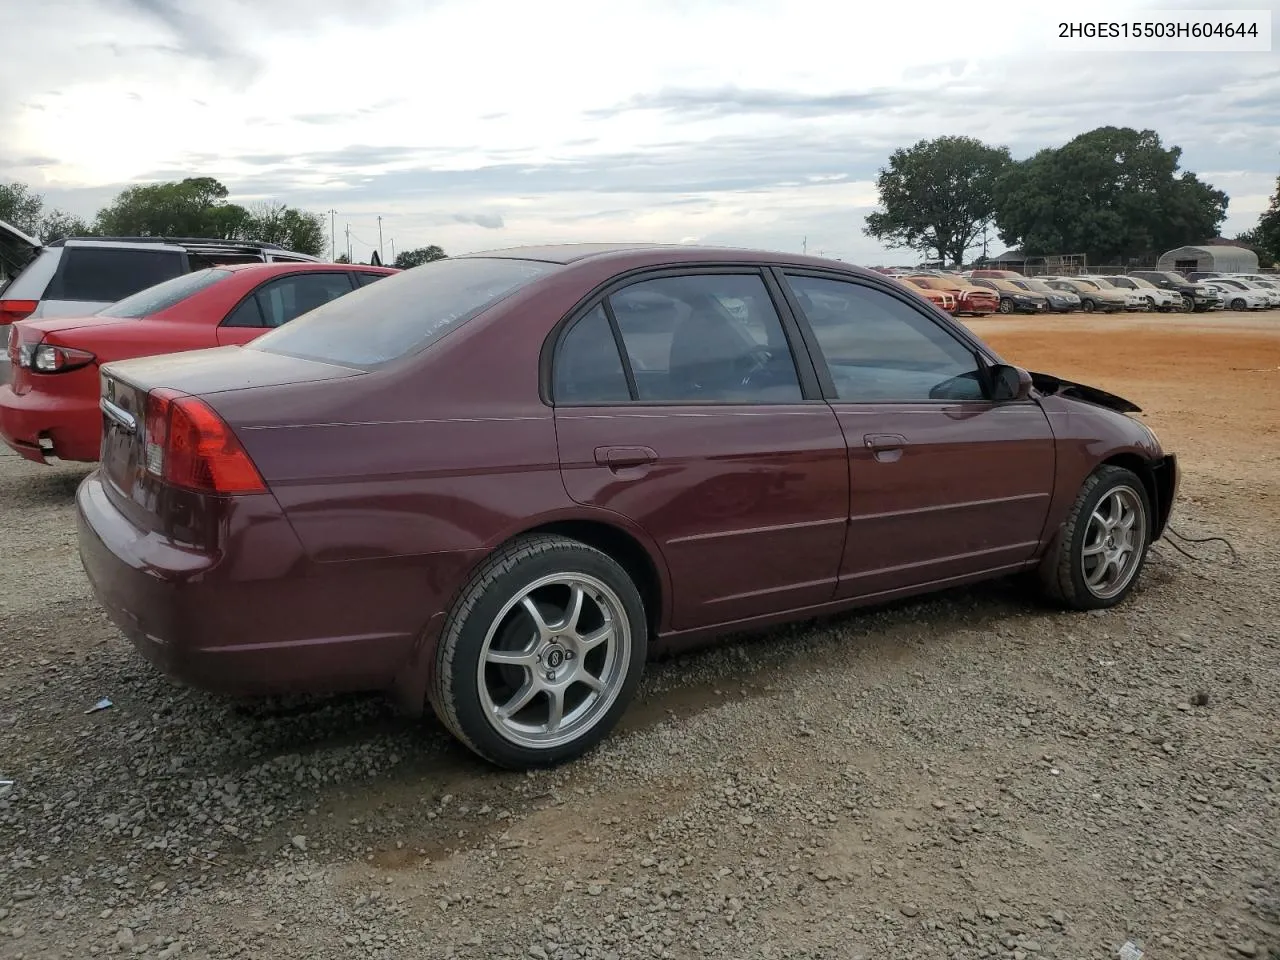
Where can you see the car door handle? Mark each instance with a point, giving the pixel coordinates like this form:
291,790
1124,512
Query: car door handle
885,441
616,458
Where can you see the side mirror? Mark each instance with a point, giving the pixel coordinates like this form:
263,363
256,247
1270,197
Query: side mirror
1009,383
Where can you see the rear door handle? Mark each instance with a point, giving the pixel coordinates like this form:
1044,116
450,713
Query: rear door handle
617,458
885,441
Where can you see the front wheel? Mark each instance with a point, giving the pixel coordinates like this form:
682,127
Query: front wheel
1188,304
1087,306
1238,304
1006,306
1101,548
541,653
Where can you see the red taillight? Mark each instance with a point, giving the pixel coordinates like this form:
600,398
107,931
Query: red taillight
188,445
11,310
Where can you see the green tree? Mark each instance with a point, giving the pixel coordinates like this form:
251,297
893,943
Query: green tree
937,196
342,258
1111,193
274,222
419,255
58,225
1265,237
20,207
194,207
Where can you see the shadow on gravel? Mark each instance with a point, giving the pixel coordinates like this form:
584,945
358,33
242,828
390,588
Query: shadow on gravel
51,486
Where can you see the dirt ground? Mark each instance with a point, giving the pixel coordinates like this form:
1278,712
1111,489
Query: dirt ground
966,776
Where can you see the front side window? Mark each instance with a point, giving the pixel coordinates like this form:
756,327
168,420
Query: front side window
880,349
705,338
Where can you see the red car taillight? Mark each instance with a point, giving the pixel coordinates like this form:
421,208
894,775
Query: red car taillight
11,310
51,358
190,446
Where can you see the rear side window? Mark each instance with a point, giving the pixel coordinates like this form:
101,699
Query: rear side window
364,279
279,301
108,275
404,313
163,295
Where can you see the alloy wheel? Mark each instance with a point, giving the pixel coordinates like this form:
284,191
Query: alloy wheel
554,660
1114,542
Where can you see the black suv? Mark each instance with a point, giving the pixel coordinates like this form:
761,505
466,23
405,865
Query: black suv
1195,296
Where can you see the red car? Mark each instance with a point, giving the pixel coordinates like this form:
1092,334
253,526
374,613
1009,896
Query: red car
495,483
51,406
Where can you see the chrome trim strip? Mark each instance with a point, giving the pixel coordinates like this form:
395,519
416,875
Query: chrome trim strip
119,415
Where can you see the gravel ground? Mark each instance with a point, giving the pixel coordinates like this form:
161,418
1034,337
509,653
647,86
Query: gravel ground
966,776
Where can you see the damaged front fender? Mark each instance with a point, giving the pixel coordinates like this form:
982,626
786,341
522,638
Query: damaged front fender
1050,386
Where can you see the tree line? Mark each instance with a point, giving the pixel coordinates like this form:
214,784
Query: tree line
1113,194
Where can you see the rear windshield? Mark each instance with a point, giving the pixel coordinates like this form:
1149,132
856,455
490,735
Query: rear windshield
109,274
163,295
402,314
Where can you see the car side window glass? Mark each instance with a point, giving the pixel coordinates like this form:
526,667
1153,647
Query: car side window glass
248,314
705,338
588,368
364,279
882,350
288,297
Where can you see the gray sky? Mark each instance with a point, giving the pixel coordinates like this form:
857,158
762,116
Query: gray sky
487,123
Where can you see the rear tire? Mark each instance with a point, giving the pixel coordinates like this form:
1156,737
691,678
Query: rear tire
1102,547
541,654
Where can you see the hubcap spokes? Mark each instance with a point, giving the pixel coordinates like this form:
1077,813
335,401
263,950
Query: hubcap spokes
554,660
1113,543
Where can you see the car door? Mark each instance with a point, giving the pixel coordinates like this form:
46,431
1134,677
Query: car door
680,405
276,302
944,484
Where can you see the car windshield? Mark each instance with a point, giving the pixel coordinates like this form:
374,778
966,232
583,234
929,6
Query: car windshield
1087,284
1103,284
1267,284
1139,282
404,313
163,295
1039,286
1236,284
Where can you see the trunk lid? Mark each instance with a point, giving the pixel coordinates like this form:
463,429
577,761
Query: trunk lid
124,385
47,325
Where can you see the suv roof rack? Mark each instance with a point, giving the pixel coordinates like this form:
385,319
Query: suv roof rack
181,241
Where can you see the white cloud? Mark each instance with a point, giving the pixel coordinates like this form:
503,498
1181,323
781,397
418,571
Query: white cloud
489,122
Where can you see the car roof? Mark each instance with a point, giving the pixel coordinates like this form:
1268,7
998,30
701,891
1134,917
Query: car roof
306,267
626,255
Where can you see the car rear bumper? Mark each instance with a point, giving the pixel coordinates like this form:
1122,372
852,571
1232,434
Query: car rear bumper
253,617
71,426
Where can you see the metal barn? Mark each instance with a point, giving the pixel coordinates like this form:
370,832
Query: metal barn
1210,259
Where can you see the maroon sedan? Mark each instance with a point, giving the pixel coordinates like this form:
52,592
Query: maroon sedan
495,483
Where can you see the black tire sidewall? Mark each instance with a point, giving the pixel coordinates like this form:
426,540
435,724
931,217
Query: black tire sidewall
494,594
1113,479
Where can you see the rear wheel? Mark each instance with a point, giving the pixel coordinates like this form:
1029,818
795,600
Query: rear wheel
541,653
1101,549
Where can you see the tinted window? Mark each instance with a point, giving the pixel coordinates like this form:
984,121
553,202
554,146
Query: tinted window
102,273
163,295
880,349
365,279
588,368
247,314
288,297
701,338
407,311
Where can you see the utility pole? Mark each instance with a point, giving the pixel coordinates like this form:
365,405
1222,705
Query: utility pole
380,236
348,243
393,249
804,246
333,236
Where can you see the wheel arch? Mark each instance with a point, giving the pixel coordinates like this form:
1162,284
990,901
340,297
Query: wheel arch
1159,497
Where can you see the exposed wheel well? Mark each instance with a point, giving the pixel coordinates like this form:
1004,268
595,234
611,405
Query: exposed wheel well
625,549
1142,467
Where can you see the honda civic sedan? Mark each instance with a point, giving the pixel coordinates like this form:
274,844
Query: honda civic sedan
497,483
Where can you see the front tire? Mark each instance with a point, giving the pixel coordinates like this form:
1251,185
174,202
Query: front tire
1087,306
1103,545
1238,304
541,654
1006,306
